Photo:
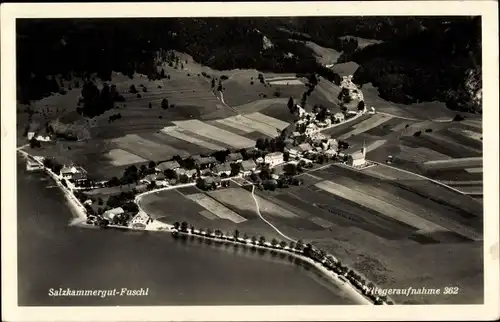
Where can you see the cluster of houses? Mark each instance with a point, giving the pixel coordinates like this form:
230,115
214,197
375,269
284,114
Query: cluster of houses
32,135
353,91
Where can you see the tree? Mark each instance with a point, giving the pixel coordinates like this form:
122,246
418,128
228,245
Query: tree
291,245
176,225
262,240
34,143
150,105
274,242
282,244
361,105
151,165
132,89
236,234
299,245
184,226
254,240
290,169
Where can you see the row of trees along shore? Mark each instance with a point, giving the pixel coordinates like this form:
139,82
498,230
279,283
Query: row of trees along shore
300,248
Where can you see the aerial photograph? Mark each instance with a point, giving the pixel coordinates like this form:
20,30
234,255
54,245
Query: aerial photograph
323,160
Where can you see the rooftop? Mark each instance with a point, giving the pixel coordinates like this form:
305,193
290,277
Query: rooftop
248,165
168,165
357,155
234,157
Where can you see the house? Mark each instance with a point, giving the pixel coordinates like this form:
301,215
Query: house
251,152
274,158
311,128
293,152
275,176
33,166
30,135
140,221
247,167
110,214
234,157
304,147
189,173
73,173
296,134
205,162
168,165
43,138
318,149
211,182
330,153
224,168
339,117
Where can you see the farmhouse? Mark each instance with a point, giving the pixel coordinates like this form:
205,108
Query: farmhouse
168,165
110,214
205,162
211,182
304,147
339,117
247,167
76,173
189,173
234,157
140,221
224,168
274,158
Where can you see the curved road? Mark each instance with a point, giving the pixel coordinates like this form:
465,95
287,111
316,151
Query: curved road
267,222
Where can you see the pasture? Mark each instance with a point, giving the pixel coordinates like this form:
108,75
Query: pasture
324,56
366,125
453,164
120,157
215,207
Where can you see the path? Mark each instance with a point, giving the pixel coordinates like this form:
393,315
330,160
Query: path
267,222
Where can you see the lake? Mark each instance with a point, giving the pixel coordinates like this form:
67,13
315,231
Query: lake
52,254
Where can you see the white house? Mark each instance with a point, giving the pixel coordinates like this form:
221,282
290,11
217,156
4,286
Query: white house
43,138
247,167
110,214
338,117
274,158
31,135
73,172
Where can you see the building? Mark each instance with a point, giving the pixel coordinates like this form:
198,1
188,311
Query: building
357,159
30,135
205,162
330,153
168,165
33,165
274,158
339,117
140,221
73,173
211,182
293,152
224,168
112,213
304,147
247,167
234,157
43,138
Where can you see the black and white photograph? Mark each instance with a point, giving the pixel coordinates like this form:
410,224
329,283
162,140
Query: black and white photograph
246,160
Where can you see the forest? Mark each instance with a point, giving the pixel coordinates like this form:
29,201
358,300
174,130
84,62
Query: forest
420,59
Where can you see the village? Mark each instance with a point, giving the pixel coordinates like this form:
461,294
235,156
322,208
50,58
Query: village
270,165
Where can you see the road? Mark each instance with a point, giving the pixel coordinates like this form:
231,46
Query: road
257,208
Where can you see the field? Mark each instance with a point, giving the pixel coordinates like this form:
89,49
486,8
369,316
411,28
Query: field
325,56
345,69
370,219
363,42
